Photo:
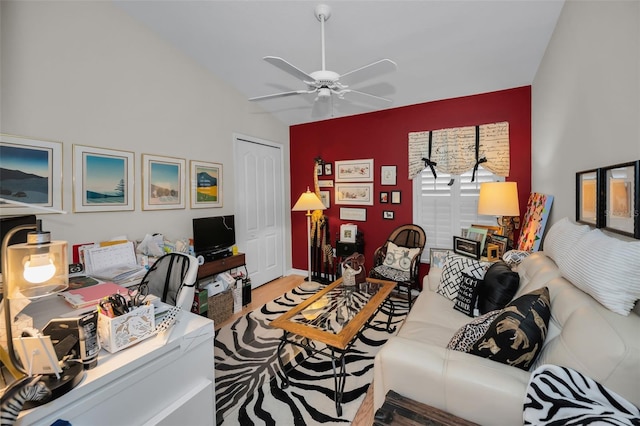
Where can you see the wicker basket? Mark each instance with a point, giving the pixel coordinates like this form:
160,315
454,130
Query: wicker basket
220,306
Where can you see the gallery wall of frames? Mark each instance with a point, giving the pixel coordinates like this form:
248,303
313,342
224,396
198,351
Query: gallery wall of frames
103,179
609,198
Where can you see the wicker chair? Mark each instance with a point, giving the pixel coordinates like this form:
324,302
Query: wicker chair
401,265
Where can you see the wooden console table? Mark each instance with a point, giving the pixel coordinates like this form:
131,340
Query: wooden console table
222,265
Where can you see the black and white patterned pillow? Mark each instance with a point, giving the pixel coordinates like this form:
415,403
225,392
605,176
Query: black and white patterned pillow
452,271
468,334
467,297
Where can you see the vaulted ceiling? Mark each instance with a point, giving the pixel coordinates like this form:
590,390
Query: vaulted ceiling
442,49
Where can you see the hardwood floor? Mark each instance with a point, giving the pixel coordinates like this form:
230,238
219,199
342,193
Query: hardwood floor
269,291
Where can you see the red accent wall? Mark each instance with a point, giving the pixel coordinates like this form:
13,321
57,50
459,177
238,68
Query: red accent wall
383,136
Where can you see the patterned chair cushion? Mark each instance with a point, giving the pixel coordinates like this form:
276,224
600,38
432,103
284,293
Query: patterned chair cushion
392,274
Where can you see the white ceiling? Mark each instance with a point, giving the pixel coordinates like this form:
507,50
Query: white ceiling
442,49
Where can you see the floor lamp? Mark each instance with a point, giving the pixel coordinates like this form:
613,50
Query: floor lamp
309,201
501,199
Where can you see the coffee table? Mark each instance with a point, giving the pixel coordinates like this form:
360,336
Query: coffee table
334,316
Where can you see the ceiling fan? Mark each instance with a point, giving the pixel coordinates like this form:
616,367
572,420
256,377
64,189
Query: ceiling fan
325,83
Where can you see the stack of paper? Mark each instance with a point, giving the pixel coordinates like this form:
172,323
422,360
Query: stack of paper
115,263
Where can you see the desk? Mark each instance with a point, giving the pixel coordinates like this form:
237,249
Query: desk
147,384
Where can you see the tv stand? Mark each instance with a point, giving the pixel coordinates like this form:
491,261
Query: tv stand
225,264
216,255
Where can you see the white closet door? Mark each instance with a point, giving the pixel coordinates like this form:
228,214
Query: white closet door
259,208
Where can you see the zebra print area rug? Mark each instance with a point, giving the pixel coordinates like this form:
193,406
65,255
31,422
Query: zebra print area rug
248,376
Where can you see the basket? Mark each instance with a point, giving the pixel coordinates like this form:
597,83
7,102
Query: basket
220,306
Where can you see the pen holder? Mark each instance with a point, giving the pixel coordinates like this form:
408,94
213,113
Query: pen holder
125,330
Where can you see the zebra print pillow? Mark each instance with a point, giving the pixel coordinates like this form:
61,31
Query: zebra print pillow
562,396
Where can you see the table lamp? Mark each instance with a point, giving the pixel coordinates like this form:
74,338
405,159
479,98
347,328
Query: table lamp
35,269
309,201
501,199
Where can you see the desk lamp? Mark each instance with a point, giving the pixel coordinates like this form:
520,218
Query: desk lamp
36,269
501,199
309,201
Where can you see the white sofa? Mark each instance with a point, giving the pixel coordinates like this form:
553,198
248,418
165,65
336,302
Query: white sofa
582,334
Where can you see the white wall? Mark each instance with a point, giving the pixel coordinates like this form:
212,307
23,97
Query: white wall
83,72
586,98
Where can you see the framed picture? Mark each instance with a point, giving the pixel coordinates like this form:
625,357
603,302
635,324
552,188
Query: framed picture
348,233
388,175
437,257
319,169
388,214
491,229
347,213
464,232
395,197
354,193
621,188
466,247
325,197
354,171
206,184
328,169
477,234
384,197
587,197
37,176
163,182
103,179
325,184
501,241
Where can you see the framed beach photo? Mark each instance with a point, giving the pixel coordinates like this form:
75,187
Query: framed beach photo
622,198
103,180
206,184
588,197
354,171
354,193
163,182
32,174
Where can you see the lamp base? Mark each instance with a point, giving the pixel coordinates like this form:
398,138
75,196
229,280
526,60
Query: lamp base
309,285
70,377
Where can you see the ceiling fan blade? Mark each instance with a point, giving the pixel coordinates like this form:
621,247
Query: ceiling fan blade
379,98
282,94
288,68
366,72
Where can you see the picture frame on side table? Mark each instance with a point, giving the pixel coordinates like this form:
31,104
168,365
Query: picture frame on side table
621,191
502,242
479,235
588,189
466,247
32,157
354,171
206,184
388,214
437,257
388,175
163,182
103,179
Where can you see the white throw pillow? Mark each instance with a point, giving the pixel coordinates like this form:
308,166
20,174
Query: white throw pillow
606,268
451,276
399,257
562,238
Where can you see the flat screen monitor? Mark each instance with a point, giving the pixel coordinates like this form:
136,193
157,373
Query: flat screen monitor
213,234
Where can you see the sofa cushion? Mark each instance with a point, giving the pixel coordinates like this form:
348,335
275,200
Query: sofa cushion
562,238
392,274
451,276
606,268
499,286
399,257
517,334
467,297
468,334
514,257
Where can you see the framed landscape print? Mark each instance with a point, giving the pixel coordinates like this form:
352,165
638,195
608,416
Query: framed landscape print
31,175
163,182
354,171
354,193
622,198
102,179
206,184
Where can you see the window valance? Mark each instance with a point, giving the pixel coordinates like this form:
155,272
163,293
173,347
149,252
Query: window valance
458,150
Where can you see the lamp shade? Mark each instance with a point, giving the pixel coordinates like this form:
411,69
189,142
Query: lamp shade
499,199
36,270
308,201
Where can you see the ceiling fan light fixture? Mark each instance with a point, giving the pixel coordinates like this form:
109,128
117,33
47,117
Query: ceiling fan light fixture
324,92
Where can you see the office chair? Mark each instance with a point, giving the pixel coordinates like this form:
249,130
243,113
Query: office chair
172,278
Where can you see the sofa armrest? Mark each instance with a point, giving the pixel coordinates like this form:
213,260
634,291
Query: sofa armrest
468,386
